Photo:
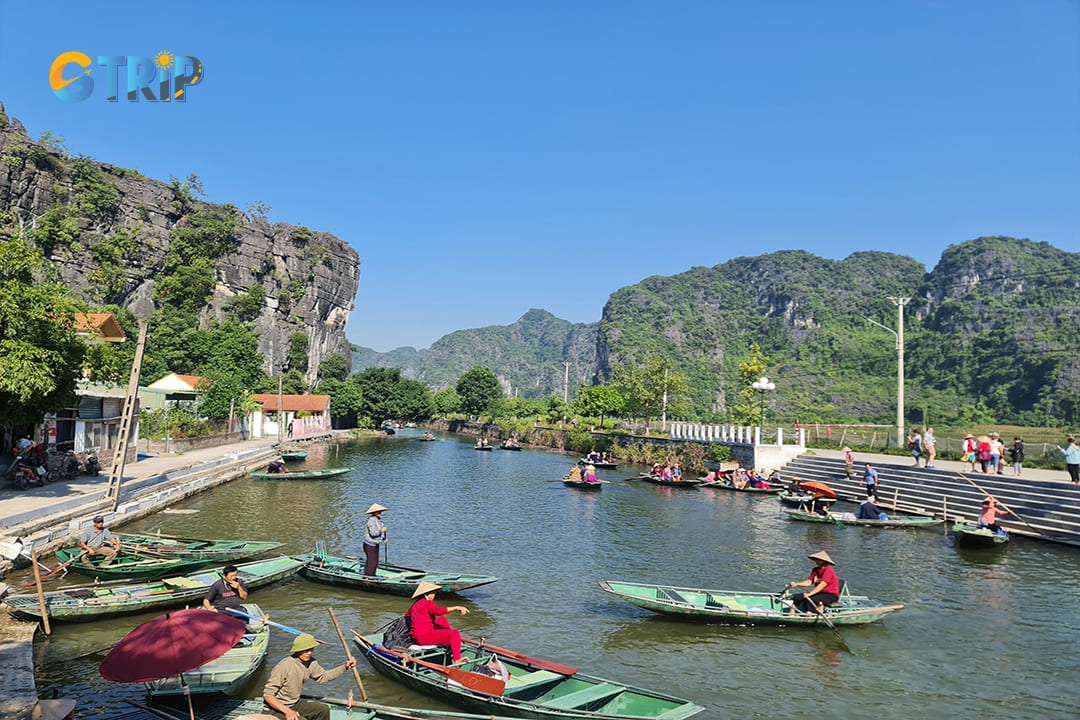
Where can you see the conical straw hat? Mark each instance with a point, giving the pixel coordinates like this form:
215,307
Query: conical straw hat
375,507
424,588
821,555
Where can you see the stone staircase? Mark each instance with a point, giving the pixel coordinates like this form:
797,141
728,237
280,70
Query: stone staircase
1051,509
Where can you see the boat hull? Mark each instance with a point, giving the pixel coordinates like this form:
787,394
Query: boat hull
129,565
723,606
531,692
302,474
796,500
90,602
389,579
582,485
716,484
850,519
209,551
971,536
673,483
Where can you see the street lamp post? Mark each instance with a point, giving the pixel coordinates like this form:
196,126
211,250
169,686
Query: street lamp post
899,302
762,385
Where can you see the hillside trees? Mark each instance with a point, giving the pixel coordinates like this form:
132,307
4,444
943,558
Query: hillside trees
599,400
42,357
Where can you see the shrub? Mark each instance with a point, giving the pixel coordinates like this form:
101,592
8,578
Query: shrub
581,441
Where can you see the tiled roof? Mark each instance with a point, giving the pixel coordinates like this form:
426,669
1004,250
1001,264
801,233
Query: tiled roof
293,403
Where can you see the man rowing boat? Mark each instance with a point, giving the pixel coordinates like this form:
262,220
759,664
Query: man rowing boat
93,541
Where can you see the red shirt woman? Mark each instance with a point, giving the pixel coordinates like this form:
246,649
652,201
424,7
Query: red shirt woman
428,625
823,583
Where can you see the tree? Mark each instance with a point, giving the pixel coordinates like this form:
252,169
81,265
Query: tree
346,401
478,388
223,392
334,367
631,382
297,356
447,401
42,356
745,411
599,400
664,382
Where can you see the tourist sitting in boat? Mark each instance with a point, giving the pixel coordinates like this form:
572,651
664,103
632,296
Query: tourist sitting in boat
429,436
774,477
281,695
94,541
276,466
604,457
989,515
590,473
868,510
428,625
676,473
228,591
740,480
657,470
711,476
795,486
575,473
823,583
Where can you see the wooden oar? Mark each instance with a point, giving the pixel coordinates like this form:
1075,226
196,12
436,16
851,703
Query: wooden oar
348,655
55,570
473,681
286,628
537,662
1011,511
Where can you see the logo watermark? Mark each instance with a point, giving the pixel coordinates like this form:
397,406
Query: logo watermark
163,78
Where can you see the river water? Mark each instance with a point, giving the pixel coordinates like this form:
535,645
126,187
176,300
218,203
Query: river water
983,634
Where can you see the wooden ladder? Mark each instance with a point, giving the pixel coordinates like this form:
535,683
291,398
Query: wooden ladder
116,472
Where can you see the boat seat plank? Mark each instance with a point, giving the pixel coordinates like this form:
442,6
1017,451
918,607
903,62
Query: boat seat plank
530,679
672,594
581,698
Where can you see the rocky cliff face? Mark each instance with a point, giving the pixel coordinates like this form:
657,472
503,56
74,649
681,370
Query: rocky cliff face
308,279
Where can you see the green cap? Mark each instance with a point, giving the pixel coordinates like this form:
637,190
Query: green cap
303,642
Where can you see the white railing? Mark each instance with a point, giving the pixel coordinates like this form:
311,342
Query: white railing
730,434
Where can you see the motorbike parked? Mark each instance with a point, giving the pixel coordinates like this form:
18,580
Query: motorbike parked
22,475
93,465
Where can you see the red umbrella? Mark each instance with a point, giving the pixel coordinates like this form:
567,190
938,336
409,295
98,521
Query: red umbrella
170,645
819,489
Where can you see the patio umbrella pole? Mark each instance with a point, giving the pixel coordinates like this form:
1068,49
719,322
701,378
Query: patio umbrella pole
187,694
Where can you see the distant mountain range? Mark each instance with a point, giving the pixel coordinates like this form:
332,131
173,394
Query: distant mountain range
992,334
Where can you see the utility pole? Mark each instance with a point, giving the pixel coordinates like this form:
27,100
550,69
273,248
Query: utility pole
900,302
566,384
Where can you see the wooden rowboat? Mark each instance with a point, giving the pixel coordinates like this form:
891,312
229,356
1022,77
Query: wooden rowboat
294,456
583,485
393,579
685,482
128,564
721,485
209,551
598,464
484,448
970,535
302,474
799,499
851,519
742,608
226,673
90,602
534,689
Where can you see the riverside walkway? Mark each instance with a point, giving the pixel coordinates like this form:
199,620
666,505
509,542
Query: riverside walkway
1048,505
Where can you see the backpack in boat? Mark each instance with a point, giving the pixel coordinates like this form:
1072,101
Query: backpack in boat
398,636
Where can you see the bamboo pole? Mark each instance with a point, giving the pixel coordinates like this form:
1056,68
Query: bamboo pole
348,655
895,497
40,593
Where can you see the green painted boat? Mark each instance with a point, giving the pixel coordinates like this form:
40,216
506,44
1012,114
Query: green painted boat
583,485
972,536
294,456
739,608
799,499
850,519
128,564
483,448
599,464
685,482
535,688
81,603
340,709
721,485
302,474
392,579
228,672
210,551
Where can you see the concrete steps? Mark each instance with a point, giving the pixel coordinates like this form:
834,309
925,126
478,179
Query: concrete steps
1052,509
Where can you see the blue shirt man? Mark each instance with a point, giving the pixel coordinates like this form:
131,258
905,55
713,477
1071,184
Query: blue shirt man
870,478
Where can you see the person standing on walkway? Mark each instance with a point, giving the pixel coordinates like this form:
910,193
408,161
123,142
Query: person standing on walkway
915,445
997,452
968,449
93,541
929,443
228,591
870,478
374,535
1071,451
1017,452
281,695
849,462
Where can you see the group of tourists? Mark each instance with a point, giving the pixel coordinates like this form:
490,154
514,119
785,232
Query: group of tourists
671,471
586,474
598,457
987,452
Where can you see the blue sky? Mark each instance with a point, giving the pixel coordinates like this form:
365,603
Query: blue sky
485,158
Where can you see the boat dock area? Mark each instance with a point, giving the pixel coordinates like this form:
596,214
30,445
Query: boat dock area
45,519
1047,505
